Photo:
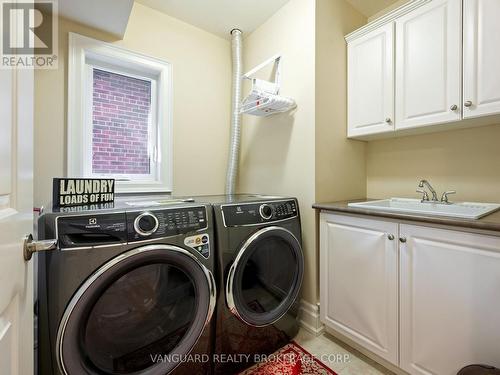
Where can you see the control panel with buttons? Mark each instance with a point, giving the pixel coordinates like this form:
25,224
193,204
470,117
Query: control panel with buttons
151,224
258,213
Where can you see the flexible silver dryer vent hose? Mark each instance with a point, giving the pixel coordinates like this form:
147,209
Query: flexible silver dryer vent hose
234,147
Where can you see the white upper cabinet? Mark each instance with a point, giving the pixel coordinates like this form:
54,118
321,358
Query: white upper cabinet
481,57
371,82
428,65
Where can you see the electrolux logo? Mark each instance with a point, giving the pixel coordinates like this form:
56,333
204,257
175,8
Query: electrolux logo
29,34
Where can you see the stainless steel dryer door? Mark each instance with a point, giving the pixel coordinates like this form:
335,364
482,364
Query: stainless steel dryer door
264,280
139,307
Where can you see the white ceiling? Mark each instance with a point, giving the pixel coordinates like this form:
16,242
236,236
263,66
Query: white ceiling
372,7
216,16
107,15
219,16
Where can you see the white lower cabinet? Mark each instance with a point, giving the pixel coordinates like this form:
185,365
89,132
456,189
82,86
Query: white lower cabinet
359,281
450,300
446,314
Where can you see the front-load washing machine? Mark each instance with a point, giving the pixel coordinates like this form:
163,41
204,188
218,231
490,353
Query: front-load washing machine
129,290
260,270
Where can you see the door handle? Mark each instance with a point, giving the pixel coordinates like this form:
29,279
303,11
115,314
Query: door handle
30,247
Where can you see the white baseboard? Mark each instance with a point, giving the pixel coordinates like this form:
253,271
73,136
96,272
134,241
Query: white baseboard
309,318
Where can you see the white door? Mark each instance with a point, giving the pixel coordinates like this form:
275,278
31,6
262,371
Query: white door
428,65
16,220
450,285
359,281
481,58
371,82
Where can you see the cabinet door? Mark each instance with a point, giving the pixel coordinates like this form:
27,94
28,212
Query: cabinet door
450,300
428,65
481,57
371,83
359,281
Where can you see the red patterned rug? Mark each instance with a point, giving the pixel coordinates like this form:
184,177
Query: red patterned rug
292,359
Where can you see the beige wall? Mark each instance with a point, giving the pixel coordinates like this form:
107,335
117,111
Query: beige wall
306,153
201,70
383,12
465,160
340,163
280,155
340,169
278,151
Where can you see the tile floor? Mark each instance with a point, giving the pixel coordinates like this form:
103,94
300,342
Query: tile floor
340,357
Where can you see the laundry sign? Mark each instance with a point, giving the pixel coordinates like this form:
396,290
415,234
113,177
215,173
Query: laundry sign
82,191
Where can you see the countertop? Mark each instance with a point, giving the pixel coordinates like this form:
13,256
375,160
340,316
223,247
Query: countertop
490,222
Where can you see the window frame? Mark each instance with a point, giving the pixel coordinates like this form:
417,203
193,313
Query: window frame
85,54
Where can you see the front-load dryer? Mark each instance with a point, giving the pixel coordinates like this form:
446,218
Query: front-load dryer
128,291
260,269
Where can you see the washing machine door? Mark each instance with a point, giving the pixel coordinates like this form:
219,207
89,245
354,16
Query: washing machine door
138,314
264,280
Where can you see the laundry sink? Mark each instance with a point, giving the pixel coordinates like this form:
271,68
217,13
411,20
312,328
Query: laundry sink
465,210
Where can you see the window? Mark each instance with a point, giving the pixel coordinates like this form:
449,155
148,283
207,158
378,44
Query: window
119,116
122,136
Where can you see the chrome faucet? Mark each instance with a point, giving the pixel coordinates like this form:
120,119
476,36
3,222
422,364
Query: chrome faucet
425,197
425,183
444,197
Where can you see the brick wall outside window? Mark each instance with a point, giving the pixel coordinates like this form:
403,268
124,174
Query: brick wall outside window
120,117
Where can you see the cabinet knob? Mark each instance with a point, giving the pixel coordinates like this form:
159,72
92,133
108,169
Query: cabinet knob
388,120
468,103
390,237
402,239
454,107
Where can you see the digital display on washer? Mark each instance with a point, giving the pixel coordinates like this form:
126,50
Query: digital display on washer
151,224
257,213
